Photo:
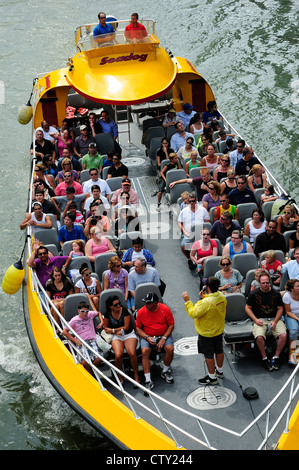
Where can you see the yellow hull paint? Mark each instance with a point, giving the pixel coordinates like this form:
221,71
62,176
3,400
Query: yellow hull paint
126,74
85,391
290,440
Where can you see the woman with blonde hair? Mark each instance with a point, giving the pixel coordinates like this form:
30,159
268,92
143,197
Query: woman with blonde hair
67,165
40,174
221,171
256,178
287,221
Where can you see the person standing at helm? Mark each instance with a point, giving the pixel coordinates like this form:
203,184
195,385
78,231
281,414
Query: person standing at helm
135,32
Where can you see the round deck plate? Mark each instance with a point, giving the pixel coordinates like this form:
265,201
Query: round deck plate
186,346
211,397
133,161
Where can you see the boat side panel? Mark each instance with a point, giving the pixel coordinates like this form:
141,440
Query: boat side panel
81,388
289,440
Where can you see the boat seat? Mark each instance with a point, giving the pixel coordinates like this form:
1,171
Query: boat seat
114,183
151,122
106,294
248,280
54,221
101,262
169,132
284,279
67,247
243,262
125,239
267,209
222,144
211,266
105,172
142,290
154,147
76,263
174,175
279,256
238,326
245,211
105,142
257,194
47,236
196,230
177,190
152,132
53,249
84,176
71,305
287,236
194,172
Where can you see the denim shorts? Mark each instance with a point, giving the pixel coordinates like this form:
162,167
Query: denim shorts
145,344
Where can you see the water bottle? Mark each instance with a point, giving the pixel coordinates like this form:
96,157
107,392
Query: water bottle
154,339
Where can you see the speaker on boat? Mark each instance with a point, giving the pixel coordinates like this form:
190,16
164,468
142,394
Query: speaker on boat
13,278
25,113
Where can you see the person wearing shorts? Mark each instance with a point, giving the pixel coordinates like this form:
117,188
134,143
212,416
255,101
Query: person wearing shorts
154,325
265,308
209,320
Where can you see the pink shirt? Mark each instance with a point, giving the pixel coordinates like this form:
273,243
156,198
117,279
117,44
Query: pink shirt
98,249
84,327
61,188
201,253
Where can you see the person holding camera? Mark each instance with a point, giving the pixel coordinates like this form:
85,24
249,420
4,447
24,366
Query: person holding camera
209,319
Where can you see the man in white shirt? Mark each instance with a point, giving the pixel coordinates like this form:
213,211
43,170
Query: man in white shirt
94,179
192,215
48,131
237,154
186,114
292,267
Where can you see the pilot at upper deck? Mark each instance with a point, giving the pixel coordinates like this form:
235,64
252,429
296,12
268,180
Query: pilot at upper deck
135,32
103,33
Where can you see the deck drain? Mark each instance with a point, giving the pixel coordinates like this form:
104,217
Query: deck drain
133,161
210,398
186,346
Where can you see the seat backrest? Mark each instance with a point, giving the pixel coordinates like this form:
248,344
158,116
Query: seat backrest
170,130
248,280
257,194
287,236
114,183
235,308
243,262
53,249
151,132
151,122
104,142
84,176
47,236
194,172
101,262
283,280
267,209
154,147
106,294
125,239
174,175
177,190
211,266
71,305
222,144
76,263
279,256
54,221
105,172
245,211
142,290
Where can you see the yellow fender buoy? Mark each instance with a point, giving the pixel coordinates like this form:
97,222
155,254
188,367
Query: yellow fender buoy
25,113
13,278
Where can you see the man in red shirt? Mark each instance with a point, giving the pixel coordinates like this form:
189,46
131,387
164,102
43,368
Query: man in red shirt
154,325
135,32
68,181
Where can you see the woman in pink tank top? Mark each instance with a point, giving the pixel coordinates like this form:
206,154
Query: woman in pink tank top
97,244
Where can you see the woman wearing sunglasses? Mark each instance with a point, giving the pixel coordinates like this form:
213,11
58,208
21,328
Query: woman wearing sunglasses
117,321
287,221
89,285
230,279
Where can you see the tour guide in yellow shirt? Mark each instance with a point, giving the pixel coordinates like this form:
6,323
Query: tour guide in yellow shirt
209,319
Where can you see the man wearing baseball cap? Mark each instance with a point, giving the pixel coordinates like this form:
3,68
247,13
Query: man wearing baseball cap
186,114
125,187
154,325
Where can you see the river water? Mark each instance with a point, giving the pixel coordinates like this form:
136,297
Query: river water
248,52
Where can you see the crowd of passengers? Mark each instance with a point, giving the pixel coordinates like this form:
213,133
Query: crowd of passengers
92,217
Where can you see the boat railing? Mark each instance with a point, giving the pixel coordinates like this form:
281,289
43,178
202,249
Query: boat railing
157,401
279,190
85,40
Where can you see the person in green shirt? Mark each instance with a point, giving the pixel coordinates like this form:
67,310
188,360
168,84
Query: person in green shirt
92,159
209,320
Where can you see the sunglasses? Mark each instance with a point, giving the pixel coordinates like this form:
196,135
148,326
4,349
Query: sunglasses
87,274
116,305
225,264
83,311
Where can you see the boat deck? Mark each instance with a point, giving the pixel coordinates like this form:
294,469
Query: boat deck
223,404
